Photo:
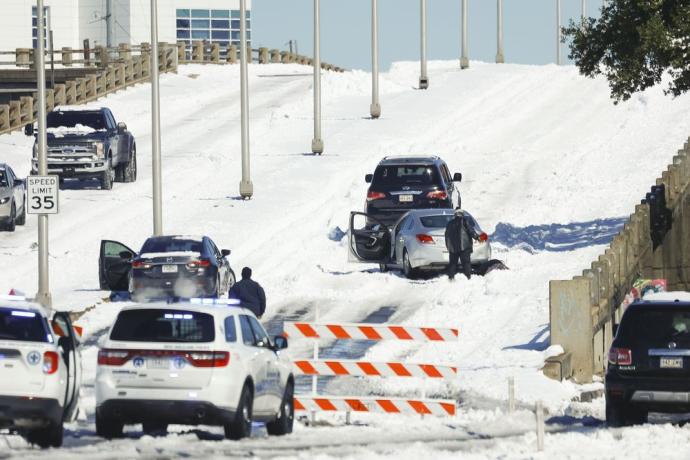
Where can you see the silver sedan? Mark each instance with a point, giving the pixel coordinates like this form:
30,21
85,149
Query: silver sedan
12,199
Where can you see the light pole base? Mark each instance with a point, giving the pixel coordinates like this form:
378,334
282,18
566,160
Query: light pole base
375,110
500,59
423,82
44,298
246,189
464,63
317,146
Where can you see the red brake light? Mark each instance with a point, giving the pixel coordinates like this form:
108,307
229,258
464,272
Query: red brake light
199,263
620,356
437,195
483,237
425,239
140,264
371,196
208,358
50,362
113,357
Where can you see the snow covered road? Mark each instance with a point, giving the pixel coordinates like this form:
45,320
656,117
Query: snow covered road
537,145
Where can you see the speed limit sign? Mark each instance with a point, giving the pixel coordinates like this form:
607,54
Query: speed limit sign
42,194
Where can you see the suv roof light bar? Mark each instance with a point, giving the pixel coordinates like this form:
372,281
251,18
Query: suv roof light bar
207,301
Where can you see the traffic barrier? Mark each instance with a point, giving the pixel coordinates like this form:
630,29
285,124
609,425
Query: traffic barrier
441,407
368,332
372,369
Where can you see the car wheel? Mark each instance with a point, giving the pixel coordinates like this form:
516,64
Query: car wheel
21,220
241,425
108,428
407,267
12,223
283,424
107,177
383,268
155,429
49,436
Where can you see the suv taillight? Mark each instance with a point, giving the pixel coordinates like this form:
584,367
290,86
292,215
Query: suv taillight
425,239
371,196
50,362
208,358
112,357
437,195
620,356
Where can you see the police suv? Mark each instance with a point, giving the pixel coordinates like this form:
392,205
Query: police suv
197,362
40,371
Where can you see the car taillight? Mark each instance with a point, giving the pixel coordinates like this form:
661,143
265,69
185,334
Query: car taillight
201,263
483,237
140,264
50,362
620,356
208,358
425,239
113,357
371,196
437,195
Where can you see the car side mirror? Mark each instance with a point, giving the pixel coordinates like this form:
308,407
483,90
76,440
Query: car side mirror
225,252
368,178
19,181
280,342
126,255
121,127
457,177
29,129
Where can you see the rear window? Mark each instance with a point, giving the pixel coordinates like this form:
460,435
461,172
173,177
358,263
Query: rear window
436,221
70,119
656,325
24,326
156,325
398,175
156,245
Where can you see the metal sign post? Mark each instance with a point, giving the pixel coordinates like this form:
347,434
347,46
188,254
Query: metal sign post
246,186
423,77
43,295
375,108
156,125
500,59
317,142
558,32
465,58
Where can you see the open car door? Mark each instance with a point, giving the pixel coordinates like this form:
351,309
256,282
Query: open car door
69,345
369,240
113,266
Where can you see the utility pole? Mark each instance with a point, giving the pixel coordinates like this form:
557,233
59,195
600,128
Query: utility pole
375,108
500,59
109,23
464,46
156,126
317,142
584,10
423,77
246,186
43,295
558,32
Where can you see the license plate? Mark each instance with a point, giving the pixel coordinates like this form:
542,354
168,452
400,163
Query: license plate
169,269
671,363
405,198
158,363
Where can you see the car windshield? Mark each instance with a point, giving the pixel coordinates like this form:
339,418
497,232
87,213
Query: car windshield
398,175
23,325
158,245
656,325
69,119
3,178
159,325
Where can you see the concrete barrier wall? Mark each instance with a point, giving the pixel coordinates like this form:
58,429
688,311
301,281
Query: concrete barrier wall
654,243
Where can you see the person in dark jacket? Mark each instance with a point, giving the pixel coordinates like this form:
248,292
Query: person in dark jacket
249,293
459,235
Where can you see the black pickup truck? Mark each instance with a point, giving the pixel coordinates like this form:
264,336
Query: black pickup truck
88,144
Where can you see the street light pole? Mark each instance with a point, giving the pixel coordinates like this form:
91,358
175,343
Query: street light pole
423,78
558,32
317,142
375,108
584,10
43,295
156,126
246,186
500,59
465,58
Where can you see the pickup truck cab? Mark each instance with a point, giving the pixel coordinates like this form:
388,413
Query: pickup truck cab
88,144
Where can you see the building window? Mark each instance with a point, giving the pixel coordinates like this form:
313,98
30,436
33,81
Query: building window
212,26
34,25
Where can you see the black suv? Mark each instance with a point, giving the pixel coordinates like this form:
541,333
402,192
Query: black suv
649,362
403,183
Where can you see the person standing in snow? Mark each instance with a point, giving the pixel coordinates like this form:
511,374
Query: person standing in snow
249,293
459,235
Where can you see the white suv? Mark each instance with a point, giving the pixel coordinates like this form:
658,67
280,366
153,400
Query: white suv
199,362
40,371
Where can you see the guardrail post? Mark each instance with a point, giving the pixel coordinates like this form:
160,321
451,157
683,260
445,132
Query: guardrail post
275,56
66,59
15,114
232,54
124,51
182,52
60,94
163,62
215,53
102,56
23,57
50,100
70,92
263,55
539,412
197,51
285,57
4,117
26,109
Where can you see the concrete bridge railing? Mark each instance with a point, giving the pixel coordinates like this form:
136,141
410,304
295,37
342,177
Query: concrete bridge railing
654,243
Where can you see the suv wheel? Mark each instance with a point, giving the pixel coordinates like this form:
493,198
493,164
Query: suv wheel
283,424
241,425
21,220
383,268
108,428
107,177
49,436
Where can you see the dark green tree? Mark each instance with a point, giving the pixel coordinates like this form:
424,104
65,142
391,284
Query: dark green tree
634,44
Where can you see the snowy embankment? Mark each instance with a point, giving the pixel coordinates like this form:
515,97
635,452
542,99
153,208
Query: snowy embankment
537,145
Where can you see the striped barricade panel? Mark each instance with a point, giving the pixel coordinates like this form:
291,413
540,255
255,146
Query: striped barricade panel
441,407
368,332
372,369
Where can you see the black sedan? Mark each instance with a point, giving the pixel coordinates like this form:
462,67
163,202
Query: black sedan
166,266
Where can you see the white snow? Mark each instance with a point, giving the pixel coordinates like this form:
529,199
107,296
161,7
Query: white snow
79,129
148,255
537,145
668,296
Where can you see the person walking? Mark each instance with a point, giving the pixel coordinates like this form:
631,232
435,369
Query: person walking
459,235
249,293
